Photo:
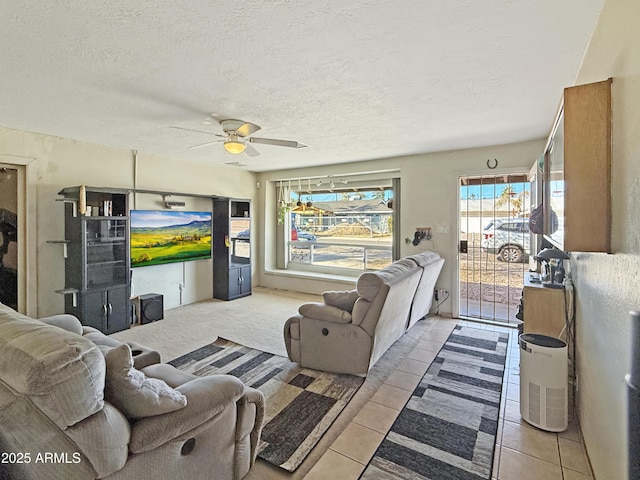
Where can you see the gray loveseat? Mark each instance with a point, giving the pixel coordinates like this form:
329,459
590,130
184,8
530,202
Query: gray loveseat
73,406
351,330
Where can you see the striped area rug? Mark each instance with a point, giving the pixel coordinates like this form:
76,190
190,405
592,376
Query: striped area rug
300,404
447,429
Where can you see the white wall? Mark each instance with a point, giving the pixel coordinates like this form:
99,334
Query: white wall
54,163
429,197
607,286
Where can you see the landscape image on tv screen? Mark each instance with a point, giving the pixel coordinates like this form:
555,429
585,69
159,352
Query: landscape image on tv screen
166,236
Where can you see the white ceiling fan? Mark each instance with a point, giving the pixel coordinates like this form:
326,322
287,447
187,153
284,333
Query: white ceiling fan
237,140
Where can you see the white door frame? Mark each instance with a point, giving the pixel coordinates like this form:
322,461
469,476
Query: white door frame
507,172
27,231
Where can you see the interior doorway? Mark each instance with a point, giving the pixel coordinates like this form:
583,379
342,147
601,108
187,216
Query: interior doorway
9,235
494,245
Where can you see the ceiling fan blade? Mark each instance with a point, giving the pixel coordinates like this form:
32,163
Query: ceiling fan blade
279,143
250,151
205,144
247,128
199,131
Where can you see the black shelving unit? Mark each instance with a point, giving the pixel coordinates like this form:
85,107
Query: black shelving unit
231,248
97,288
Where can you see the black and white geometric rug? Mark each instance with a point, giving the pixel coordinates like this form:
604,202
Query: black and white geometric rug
300,404
447,429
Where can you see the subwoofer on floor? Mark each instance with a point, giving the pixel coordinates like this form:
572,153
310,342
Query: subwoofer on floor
151,308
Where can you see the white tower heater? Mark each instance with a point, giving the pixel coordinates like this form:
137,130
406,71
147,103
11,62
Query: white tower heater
544,381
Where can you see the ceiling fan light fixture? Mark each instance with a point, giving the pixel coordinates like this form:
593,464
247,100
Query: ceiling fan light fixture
233,145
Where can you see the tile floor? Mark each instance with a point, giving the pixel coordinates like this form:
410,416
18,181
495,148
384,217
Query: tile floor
522,451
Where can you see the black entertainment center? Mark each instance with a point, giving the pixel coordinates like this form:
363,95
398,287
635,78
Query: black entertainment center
99,252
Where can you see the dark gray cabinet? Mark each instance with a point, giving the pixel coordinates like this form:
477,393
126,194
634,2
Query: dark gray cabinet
97,287
239,281
106,309
231,248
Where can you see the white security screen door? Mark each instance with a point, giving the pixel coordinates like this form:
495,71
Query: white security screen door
494,245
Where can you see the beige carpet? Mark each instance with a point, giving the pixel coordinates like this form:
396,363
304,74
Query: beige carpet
257,321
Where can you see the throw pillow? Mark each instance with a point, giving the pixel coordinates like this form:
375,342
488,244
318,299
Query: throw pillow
343,299
133,392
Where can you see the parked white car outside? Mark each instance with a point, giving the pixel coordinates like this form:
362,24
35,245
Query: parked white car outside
509,238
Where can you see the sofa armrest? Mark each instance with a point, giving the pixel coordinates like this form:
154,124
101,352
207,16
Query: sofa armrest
206,398
250,419
328,313
143,356
65,321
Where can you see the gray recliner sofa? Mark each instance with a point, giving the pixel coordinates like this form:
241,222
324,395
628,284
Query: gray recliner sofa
431,264
350,330
73,405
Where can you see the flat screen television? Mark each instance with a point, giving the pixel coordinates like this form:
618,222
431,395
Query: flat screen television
166,236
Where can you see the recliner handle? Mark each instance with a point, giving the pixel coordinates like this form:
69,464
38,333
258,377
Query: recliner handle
188,446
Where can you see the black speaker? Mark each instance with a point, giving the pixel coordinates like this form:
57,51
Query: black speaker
151,308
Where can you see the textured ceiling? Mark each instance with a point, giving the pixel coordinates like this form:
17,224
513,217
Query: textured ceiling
354,80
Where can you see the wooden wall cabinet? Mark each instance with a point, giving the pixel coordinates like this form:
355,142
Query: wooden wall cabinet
587,151
585,169
544,309
231,248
